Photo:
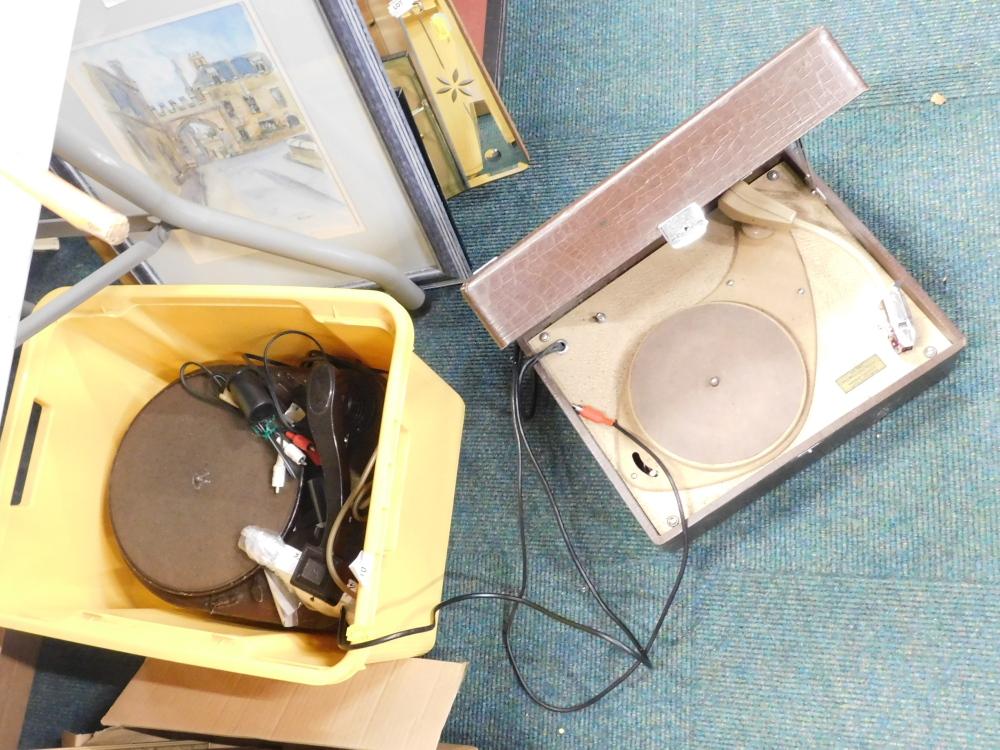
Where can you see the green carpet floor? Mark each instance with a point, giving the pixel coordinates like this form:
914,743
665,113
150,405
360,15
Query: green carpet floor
855,606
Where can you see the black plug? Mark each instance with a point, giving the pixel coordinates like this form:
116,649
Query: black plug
312,576
251,396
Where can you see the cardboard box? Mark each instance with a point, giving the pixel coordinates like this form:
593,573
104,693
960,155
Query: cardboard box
120,738
398,705
18,654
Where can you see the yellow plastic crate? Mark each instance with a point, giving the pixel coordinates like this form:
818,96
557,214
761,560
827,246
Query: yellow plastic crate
61,574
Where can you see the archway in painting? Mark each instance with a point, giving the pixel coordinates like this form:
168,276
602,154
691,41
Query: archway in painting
205,141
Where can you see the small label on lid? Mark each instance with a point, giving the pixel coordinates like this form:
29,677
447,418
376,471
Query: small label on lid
685,227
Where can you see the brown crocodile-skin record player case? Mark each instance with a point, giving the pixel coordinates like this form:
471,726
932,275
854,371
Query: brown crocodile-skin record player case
616,223
549,276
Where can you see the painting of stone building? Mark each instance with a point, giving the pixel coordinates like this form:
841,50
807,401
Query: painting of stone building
200,105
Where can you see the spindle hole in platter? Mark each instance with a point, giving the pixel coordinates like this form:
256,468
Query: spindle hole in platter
718,384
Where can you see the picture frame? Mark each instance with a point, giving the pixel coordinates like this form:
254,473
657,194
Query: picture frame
301,129
458,93
415,100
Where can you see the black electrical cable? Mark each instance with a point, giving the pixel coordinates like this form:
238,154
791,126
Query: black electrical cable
264,362
528,413
525,366
508,623
347,645
638,652
640,656
342,362
312,357
685,535
267,373
255,359
219,380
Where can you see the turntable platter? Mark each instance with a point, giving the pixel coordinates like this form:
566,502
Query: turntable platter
718,383
187,478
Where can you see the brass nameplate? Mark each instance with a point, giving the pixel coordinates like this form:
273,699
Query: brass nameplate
861,373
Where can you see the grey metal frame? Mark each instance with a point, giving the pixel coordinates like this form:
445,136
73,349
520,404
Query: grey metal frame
171,211
143,273
46,315
146,193
495,47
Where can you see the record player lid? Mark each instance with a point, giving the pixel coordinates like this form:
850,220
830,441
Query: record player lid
590,242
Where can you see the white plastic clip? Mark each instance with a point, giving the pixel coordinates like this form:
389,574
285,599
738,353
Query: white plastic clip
278,475
685,227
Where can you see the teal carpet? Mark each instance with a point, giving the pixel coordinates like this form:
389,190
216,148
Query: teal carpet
858,604
855,606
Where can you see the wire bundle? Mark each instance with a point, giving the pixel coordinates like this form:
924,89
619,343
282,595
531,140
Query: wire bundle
281,431
268,428
272,430
637,651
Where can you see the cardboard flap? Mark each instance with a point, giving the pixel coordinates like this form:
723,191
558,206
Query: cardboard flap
18,654
397,705
591,241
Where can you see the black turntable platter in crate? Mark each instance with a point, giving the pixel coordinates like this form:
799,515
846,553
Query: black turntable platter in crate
187,478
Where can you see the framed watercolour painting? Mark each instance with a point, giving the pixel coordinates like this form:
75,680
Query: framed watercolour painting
250,107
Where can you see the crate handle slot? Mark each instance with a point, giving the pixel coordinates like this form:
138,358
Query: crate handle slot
26,450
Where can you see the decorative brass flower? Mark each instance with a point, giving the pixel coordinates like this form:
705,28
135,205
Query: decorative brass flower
454,85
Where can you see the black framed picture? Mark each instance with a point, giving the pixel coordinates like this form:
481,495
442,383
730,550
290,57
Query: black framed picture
278,112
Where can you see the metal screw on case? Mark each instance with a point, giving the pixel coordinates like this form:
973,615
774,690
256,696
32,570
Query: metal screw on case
802,290
544,337
773,175
713,382
930,351
673,521
730,282
601,317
